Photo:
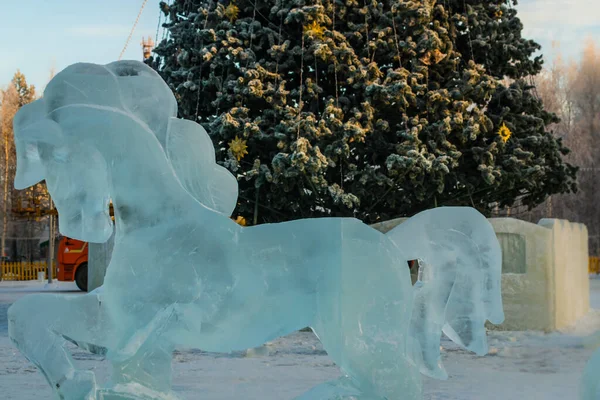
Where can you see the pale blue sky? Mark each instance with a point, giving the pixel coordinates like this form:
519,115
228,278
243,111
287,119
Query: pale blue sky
37,34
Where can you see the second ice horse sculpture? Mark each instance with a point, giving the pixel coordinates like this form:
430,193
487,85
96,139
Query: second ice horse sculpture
183,274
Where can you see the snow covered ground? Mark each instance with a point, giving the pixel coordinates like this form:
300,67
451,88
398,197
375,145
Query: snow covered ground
521,365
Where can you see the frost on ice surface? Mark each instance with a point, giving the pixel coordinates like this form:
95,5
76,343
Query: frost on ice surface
183,274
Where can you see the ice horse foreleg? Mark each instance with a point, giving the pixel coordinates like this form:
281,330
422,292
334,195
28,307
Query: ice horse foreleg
337,389
145,375
39,326
142,363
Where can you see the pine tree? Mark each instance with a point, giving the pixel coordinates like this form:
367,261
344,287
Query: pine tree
371,109
531,166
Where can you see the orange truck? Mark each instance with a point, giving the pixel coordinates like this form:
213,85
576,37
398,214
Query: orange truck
73,262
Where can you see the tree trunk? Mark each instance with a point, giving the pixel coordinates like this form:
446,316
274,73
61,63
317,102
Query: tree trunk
6,197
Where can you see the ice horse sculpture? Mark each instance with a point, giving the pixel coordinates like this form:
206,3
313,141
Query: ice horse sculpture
183,274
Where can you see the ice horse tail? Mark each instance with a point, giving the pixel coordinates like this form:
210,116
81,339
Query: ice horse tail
460,282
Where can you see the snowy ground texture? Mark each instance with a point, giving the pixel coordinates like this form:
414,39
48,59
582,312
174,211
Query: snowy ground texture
521,365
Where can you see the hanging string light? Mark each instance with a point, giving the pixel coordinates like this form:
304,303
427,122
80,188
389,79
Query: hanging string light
199,86
132,29
367,29
468,30
335,64
158,27
300,103
396,34
251,32
278,46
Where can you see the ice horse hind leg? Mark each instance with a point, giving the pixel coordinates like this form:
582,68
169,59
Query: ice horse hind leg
394,378
39,326
364,307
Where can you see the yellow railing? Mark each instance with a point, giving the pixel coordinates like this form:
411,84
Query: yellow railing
24,271
594,265
27,271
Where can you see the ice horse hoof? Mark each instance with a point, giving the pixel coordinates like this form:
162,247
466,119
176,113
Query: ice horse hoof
134,391
80,386
342,388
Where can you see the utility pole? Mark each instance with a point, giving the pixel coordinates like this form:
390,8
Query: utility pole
549,207
51,236
5,194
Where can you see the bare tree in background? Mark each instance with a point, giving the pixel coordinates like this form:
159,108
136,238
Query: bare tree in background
555,86
17,94
587,93
9,107
572,91
587,101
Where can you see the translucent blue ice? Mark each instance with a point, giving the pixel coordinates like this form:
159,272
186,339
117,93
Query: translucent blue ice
590,383
183,274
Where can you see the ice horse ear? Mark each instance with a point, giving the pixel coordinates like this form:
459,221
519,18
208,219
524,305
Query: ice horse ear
192,155
32,128
83,84
461,282
145,95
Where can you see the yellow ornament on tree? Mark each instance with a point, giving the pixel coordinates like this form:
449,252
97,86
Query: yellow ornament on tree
238,148
504,133
314,29
231,12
